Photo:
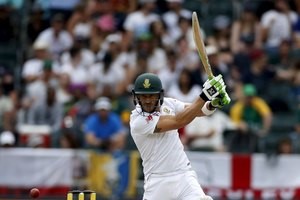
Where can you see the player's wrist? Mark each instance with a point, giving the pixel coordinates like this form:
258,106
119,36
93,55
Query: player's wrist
211,106
206,108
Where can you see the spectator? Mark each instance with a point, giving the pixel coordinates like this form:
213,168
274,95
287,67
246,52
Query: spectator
221,33
173,16
33,67
38,73
162,38
80,24
170,74
285,57
186,31
254,117
154,56
87,56
36,89
103,129
245,30
261,73
78,73
277,25
58,39
102,28
184,89
111,70
138,23
187,57
218,65
49,113
207,133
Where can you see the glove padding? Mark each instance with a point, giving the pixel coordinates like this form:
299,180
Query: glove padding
221,100
212,88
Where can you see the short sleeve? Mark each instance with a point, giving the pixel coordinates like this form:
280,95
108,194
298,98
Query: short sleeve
261,106
128,24
143,125
268,18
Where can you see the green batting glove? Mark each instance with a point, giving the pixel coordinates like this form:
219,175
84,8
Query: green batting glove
221,100
225,98
212,88
217,102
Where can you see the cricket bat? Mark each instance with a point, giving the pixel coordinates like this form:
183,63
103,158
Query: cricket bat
200,45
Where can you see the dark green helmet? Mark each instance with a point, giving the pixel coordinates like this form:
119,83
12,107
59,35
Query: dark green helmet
147,83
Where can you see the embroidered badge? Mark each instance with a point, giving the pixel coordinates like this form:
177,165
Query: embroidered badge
166,110
146,83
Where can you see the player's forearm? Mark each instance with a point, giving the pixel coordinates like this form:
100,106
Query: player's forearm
181,119
190,112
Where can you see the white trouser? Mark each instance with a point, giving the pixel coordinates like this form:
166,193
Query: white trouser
173,186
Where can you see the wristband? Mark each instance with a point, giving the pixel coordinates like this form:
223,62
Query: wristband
205,110
203,96
210,106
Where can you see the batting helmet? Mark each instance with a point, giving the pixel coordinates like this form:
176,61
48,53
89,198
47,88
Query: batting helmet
148,83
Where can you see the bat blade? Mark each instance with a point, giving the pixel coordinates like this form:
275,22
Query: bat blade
200,45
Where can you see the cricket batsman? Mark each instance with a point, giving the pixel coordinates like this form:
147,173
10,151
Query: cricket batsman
168,173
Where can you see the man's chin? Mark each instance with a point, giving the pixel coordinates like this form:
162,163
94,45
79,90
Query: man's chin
149,109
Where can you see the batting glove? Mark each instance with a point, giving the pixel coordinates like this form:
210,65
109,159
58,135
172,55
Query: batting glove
212,88
221,100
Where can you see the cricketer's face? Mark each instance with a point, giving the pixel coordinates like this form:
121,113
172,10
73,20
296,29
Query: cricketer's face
149,102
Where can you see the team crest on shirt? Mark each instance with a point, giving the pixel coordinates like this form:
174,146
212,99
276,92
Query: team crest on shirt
146,83
166,110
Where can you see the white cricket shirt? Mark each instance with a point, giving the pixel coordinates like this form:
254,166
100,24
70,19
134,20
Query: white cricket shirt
160,152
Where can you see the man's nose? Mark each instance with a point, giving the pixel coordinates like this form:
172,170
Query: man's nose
148,100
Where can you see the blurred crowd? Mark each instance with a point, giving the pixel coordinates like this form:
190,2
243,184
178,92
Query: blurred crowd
82,57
